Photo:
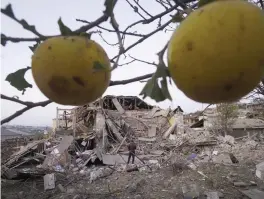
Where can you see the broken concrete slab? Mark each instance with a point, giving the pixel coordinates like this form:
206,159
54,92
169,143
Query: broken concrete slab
118,106
157,152
116,159
229,139
240,184
152,131
153,139
61,188
172,137
222,158
59,154
253,193
190,191
49,181
212,195
99,173
260,170
114,129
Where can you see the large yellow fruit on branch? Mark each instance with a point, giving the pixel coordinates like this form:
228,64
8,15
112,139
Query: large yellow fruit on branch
71,70
217,53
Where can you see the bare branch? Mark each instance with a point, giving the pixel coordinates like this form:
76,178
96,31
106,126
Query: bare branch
15,39
24,24
142,8
135,9
113,31
162,3
29,105
122,82
146,37
92,24
121,47
143,61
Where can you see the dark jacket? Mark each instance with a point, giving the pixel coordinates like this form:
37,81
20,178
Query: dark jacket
132,147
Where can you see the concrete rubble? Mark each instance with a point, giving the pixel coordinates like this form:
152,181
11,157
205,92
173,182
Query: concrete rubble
94,148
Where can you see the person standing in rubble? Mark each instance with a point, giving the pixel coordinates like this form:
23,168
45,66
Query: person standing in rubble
132,151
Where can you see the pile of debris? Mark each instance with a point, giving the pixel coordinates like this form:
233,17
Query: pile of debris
96,144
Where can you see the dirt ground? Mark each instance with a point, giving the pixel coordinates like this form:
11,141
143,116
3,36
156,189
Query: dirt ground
158,183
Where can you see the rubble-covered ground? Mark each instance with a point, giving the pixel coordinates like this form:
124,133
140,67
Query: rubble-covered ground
227,179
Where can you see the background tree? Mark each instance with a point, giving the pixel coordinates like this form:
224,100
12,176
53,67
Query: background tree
227,114
172,12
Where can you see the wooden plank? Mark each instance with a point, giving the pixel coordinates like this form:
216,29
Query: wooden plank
118,106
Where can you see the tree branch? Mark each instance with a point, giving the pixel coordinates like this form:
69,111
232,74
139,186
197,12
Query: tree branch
30,105
146,37
113,31
127,81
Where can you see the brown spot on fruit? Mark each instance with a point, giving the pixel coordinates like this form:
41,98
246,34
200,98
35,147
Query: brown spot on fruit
58,84
241,23
261,62
189,46
228,87
72,40
78,81
220,22
87,43
193,77
49,47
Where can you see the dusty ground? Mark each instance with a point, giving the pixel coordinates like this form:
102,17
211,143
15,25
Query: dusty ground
156,184
160,183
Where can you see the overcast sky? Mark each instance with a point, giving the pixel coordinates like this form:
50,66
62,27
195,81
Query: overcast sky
44,15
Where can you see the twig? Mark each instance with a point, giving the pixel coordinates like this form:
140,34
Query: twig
146,37
24,24
135,9
162,3
142,8
127,63
146,62
122,82
113,31
28,107
107,41
18,39
92,24
121,47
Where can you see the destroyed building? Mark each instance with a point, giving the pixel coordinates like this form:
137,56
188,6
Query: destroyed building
113,120
89,143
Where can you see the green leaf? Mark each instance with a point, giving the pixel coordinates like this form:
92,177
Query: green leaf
97,66
178,17
164,89
8,11
66,31
152,90
3,41
17,80
85,34
33,48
